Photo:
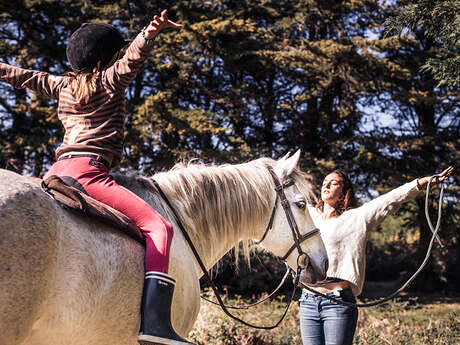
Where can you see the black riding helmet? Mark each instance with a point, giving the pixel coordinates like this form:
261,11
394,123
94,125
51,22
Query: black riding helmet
91,43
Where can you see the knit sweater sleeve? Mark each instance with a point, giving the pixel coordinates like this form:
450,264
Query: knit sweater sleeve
44,83
375,211
118,76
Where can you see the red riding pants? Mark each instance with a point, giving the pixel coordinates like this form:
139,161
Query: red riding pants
95,179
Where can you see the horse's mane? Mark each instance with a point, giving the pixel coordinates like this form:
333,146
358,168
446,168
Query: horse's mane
212,199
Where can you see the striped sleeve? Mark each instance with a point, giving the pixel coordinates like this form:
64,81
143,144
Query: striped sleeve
118,76
45,84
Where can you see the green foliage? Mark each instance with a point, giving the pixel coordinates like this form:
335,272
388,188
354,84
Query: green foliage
439,20
418,138
409,321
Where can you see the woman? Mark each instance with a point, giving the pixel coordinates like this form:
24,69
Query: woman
344,231
91,108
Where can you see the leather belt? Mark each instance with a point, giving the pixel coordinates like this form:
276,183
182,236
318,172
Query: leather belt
75,155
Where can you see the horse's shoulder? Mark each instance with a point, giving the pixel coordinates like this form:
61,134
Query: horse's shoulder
26,211
25,190
8,177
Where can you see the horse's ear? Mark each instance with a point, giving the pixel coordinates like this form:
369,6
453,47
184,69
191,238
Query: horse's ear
286,156
285,166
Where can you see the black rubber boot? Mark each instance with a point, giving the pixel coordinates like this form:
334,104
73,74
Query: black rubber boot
156,325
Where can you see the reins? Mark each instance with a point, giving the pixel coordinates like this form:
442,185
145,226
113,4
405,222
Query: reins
434,230
298,238
247,306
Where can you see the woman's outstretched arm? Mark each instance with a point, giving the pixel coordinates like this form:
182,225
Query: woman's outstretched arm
376,210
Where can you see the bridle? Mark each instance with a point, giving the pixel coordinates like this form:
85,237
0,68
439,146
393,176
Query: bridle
302,258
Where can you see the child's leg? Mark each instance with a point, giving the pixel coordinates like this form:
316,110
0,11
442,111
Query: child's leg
157,230
156,327
101,186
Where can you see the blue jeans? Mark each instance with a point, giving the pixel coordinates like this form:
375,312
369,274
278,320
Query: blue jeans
323,322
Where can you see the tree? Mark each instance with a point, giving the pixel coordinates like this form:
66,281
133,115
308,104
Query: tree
439,20
420,137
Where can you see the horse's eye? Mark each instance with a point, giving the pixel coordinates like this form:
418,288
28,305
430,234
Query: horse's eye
301,204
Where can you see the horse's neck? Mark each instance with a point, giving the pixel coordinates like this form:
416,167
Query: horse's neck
219,208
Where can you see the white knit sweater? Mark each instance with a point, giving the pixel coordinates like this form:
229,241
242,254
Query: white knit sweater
345,236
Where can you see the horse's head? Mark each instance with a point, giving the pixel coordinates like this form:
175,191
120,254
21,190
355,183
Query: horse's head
291,234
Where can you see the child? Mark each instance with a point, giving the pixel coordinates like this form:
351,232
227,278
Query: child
91,109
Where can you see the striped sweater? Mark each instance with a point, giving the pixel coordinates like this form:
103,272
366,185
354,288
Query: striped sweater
99,125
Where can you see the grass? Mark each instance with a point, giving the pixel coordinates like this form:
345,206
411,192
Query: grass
412,321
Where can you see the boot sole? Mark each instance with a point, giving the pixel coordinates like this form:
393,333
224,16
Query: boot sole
152,340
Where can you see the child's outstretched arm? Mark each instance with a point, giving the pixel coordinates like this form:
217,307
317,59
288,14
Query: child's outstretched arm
159,23
123,71
45,84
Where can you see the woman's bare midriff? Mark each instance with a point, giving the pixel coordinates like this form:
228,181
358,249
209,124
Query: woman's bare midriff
332,286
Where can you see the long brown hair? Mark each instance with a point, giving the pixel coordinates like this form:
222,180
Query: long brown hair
348,199
83,85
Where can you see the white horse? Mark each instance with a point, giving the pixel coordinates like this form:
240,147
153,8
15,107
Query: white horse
67,279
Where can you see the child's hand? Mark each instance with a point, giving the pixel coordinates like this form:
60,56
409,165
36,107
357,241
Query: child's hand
159,23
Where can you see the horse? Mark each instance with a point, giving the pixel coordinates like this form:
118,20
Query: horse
68,279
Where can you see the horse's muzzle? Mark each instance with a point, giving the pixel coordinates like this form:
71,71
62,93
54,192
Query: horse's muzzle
311,274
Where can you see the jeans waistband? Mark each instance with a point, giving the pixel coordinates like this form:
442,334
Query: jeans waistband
76,155
335,293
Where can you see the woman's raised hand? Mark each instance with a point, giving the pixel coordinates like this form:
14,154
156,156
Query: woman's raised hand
438,179
158,23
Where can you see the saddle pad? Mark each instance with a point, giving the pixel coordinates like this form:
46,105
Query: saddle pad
77,200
